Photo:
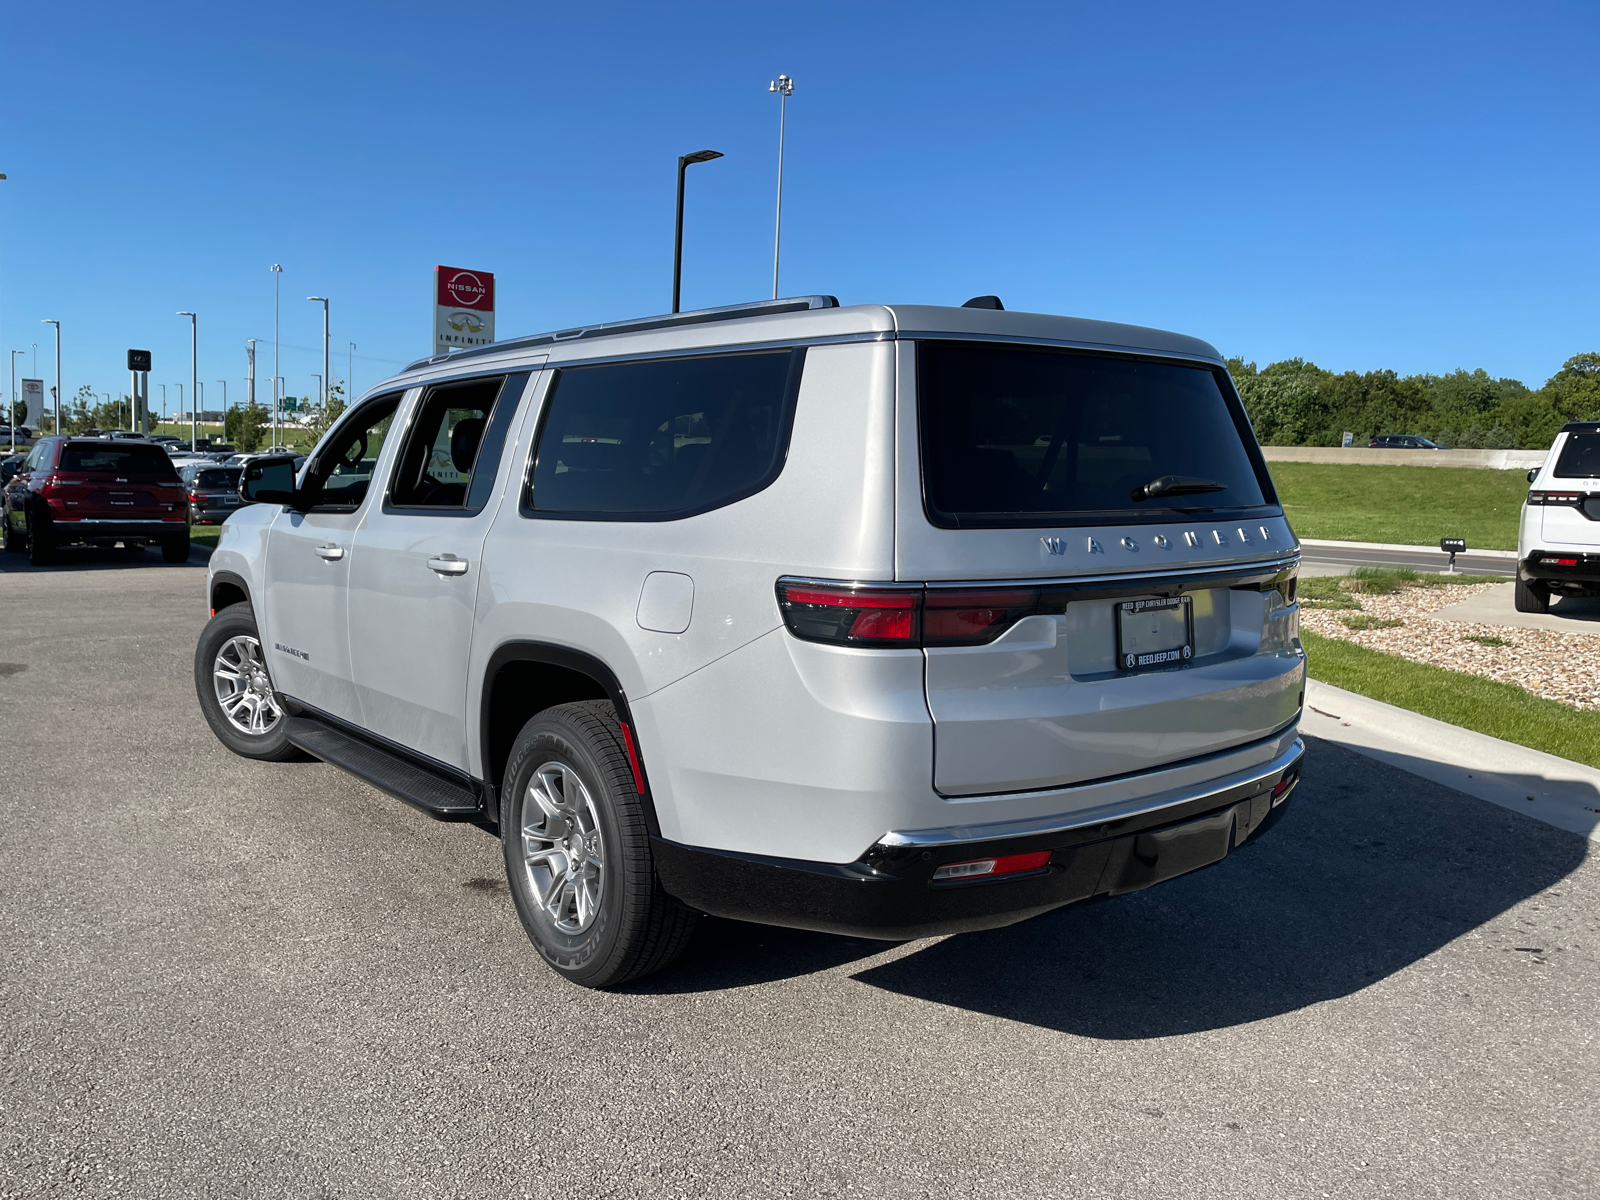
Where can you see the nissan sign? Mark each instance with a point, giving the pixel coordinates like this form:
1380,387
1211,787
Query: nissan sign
463,309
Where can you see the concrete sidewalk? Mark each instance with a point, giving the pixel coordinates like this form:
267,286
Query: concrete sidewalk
1554,790
1497,606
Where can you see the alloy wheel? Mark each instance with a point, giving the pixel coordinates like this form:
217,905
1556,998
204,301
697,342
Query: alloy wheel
243,689
563,852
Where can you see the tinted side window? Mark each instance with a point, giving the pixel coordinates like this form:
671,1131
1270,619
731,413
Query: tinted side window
454,446
1580,457
662,439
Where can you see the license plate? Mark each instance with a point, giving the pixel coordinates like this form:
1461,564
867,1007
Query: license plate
1154,633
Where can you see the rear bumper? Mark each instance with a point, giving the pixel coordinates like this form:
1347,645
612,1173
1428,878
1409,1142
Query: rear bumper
65,531
889,892
1550,566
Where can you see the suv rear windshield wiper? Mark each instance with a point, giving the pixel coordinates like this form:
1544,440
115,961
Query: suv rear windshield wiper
1177,485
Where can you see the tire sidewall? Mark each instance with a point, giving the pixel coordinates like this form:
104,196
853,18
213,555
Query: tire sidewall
587,954
234,621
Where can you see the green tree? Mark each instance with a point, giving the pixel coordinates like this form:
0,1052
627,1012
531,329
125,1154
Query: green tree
245,427
1574,391
324,415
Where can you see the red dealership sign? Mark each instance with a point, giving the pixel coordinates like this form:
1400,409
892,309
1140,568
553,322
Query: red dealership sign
465,289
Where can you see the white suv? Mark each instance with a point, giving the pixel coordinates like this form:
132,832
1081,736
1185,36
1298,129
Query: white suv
884,620
1558,542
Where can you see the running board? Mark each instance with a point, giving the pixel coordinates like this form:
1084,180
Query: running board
404,780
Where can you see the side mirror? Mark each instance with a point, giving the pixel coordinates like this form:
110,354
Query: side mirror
1533,474
268,481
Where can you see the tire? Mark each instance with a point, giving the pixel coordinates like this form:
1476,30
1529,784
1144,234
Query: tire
571,758
15,542
176,551
41,546
243,712
1531,598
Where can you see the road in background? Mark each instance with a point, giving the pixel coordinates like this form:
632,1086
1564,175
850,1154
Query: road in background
235,978
1340,558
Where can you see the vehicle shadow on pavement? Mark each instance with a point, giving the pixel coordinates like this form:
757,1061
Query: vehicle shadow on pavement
96,558
731,954
1370,870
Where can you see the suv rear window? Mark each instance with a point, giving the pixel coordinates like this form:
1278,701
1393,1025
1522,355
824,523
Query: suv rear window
667,438
226,478
1580,457
1015,436
143,462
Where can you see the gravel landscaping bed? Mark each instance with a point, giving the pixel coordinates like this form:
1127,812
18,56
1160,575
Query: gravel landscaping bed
1557,666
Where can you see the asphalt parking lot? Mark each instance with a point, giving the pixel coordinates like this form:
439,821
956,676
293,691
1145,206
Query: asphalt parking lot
225,978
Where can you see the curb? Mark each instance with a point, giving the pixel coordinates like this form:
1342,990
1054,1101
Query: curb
1326,545
1554,790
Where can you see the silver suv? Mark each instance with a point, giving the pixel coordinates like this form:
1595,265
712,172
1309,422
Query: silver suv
883,620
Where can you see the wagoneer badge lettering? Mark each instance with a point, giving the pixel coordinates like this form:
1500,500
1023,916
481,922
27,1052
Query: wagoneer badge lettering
1053,545
1219,537
1094,547
1129,544
300,654
1190,540
1161,542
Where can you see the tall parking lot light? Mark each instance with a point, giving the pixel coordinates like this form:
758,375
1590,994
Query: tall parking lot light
57,324
784,87
322,397
11,416
277,278
684,162
194,381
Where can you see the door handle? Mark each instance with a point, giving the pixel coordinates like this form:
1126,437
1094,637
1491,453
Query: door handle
448,564
331,553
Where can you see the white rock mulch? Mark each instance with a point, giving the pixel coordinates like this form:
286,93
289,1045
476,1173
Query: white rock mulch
1557,666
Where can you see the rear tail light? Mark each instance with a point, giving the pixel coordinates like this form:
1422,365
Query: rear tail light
905,617
1555,498
848,615
1559,562
988,868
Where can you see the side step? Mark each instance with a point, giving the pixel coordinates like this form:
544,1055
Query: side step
387,771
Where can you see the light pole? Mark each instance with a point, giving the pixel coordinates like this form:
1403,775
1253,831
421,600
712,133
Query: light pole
349,376
318,378
179,386
57,324
322,386
194,381
684,161
163,388
11,416
224,384
277,278
783,85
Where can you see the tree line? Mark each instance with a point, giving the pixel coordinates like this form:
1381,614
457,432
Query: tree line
1297,403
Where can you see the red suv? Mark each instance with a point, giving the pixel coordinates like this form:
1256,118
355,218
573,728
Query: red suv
94,491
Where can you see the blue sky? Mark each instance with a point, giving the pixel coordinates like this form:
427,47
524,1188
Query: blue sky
1410,186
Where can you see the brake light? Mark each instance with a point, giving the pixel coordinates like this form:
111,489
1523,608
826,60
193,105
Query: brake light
1555,497
851,615
988,868
968,618
906,617
1559,562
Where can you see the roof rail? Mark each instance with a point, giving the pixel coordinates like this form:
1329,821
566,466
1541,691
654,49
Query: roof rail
700,316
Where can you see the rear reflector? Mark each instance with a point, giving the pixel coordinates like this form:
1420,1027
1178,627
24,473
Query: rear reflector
963,618
633,757
1560,562
987,868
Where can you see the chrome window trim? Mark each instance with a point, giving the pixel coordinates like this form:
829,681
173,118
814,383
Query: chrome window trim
1250,779
937,335
1177,574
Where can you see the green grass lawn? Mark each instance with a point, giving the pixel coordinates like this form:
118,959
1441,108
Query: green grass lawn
1414,506
1501,710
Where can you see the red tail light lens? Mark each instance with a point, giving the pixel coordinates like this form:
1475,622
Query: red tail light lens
851,616
970,618
988,868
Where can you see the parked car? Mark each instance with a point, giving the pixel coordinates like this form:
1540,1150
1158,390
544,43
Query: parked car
166,439
213,492
86,491
1404,441
886,621
9,466
1558,541
127,435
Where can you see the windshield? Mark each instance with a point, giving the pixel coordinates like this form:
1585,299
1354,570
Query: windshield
143,462
1580,457
1015,436
223,478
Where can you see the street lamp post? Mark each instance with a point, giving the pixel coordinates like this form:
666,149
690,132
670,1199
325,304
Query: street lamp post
322,394
784,86
194,381
163,388
224,384
277,278
57,324
349,376
11,417
684,161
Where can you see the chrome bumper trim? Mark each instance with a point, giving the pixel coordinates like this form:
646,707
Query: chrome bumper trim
1245,783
